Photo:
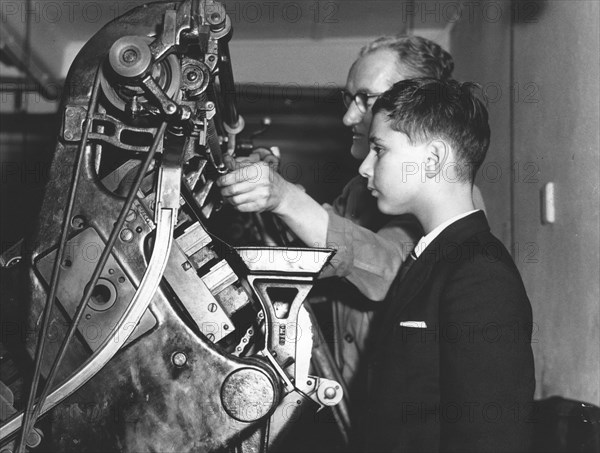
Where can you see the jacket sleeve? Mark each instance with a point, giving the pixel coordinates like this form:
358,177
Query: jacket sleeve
486,363
370,246
369,260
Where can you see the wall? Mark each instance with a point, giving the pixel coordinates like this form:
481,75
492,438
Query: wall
480,45
545,129
558,138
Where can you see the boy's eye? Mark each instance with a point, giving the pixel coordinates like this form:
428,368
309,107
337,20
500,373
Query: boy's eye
376,149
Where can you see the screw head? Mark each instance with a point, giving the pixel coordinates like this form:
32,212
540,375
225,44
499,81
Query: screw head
126,235
212,307
129,56
131,215
330,393
179,359
170,108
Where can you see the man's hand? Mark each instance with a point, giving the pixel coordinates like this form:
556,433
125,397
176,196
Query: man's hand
254,184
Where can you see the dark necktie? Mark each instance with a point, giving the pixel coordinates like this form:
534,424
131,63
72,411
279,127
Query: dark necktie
410,260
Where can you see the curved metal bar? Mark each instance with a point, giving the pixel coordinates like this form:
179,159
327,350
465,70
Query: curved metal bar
166,220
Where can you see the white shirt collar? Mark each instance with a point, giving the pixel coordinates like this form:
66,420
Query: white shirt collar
428,239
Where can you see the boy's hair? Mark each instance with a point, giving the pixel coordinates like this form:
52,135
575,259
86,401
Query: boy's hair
422,57
428,108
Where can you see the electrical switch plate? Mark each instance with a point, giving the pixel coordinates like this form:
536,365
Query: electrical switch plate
548,205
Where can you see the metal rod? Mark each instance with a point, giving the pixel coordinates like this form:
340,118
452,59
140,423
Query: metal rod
98,270
230,116
41,343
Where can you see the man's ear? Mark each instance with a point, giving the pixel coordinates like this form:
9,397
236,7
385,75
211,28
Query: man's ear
437,154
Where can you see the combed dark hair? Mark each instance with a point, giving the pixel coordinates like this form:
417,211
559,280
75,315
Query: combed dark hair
422,57
427,108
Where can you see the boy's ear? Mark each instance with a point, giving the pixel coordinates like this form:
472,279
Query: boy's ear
438,152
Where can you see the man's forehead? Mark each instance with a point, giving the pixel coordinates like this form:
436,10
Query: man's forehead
374,72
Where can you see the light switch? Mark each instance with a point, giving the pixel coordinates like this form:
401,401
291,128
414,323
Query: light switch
548,206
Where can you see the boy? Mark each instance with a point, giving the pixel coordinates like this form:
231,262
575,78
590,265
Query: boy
452,368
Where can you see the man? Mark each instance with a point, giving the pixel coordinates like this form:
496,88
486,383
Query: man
370,246
453,367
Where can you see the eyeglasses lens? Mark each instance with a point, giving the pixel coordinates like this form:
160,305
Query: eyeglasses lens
361,100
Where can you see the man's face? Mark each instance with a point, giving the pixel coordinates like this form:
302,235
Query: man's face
393,168
373,73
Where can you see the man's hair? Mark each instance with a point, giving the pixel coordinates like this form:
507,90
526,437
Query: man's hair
426,108
422,57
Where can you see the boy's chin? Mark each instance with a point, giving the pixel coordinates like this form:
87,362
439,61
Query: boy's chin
392,209
385,208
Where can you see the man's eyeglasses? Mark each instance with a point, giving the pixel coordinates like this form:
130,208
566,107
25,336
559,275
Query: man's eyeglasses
361,99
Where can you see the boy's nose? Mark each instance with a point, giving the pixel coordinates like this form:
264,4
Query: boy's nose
366,168
353,115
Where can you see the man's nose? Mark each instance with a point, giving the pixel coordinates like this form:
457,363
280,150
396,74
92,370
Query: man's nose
366,168
353,115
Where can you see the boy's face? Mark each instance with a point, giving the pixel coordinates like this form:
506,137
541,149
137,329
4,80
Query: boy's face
394,168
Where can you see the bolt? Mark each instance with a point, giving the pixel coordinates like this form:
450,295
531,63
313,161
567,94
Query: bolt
210,337
34,438
186,266
129,56
70,113
131,215
77,222
330,393
126,235
192,76
170,108
212,307
68,135
179,359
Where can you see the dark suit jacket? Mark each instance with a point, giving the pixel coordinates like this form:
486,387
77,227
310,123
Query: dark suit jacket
466,381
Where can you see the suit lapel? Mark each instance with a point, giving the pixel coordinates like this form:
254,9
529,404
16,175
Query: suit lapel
444,247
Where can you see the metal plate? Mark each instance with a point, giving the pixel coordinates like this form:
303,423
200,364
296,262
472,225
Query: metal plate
114,291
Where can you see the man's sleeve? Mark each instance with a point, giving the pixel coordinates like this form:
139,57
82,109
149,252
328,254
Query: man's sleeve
369,260
486,362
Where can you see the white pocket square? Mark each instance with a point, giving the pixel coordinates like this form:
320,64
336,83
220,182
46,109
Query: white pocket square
416,324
